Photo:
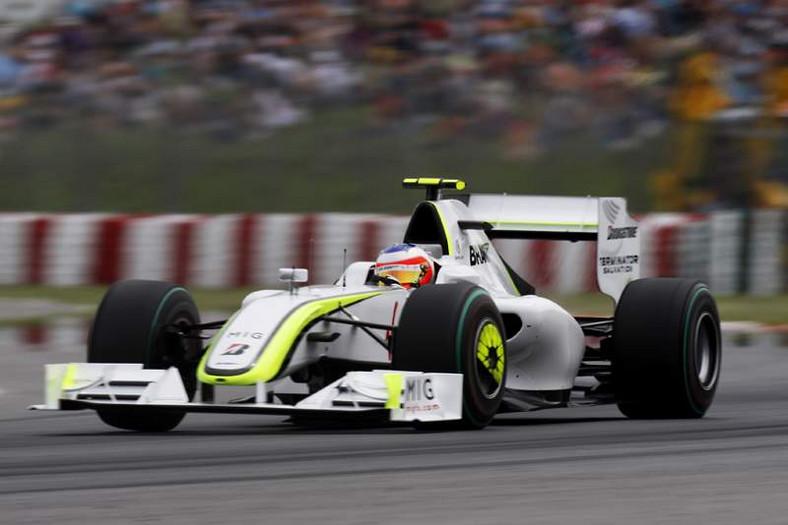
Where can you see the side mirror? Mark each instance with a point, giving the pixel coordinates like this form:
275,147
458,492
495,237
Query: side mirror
293,275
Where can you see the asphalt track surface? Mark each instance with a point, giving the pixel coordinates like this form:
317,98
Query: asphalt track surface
577,465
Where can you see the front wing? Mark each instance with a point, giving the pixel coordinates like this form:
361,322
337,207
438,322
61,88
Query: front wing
377,395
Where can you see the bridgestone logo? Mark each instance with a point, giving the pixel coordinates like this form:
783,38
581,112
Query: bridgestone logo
628,232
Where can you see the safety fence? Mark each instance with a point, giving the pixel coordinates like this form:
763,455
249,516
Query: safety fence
734,251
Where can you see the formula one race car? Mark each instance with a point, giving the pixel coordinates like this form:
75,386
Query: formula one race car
439,330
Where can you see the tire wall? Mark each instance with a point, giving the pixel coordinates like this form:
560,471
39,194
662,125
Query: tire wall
734,251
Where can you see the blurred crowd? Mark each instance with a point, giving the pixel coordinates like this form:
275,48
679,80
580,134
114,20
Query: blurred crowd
529,73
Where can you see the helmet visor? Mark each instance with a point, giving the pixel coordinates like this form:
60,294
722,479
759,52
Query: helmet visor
403,273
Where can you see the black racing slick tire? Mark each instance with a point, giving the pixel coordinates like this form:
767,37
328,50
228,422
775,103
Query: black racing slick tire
667,349
456,328
134,324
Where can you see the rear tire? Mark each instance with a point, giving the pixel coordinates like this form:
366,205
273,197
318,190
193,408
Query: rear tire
456,328
667,349
131,327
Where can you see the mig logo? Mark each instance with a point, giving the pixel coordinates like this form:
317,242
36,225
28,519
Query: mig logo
418,389
235,349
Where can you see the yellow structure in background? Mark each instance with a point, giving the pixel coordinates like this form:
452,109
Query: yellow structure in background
697,97
771,194
694,103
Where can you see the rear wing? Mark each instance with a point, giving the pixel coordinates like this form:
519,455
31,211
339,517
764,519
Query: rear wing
601,219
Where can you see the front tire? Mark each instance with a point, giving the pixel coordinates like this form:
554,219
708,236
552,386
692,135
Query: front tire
132,325
667,349
456,328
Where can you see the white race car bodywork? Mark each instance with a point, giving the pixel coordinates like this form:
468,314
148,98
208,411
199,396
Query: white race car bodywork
277,335
544,353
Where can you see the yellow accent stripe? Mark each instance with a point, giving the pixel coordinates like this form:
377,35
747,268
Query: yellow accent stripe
207,354
590,227
394,388
537,223
515,290
69,378
431,181
446,231
275,353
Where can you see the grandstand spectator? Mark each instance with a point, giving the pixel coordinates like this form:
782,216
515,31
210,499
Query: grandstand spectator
500,67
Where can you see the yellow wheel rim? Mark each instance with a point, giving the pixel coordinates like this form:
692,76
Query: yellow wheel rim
490,352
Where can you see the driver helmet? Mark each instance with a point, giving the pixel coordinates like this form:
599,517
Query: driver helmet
410,265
